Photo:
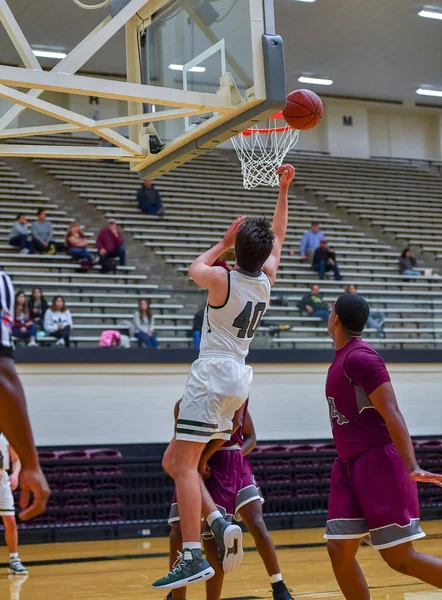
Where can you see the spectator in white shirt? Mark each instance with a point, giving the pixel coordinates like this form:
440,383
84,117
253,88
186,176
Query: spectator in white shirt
58,321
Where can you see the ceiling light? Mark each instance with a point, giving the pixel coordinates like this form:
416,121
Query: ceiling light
430,14
315,80
425,92
181,68
48,54
305,0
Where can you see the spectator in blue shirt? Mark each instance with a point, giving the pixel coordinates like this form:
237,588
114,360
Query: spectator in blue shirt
311,240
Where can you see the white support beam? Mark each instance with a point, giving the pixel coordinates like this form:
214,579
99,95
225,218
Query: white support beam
108,88
105,123
38,130
33,150
17,37
133,69
68,116
79,56
57,112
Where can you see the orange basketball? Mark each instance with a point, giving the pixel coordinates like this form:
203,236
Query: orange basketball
303,110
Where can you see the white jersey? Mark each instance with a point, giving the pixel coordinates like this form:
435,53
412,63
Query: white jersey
232,326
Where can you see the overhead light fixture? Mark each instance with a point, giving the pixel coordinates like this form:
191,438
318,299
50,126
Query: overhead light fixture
430,14
181,68
48,54
315,80
427,92
305,0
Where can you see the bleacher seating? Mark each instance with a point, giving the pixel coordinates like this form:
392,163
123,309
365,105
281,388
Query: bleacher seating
203,196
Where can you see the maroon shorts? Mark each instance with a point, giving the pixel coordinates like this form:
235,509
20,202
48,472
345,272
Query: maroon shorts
231,484
373,494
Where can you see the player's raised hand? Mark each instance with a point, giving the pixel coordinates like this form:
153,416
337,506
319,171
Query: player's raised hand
287,173
230,235
34,493
426,477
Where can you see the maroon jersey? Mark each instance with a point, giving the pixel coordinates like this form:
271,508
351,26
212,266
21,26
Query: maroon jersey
357,370
238,436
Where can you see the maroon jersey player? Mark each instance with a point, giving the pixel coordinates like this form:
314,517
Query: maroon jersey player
373,483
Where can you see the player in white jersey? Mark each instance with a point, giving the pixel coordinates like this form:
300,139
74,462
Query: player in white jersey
9,459
14,419
219,381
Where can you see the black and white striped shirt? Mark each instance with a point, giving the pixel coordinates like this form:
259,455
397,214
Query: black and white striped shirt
6,314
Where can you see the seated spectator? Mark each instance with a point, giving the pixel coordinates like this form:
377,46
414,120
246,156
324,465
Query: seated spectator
58,321
23,327
311,240
76,243
324,260
42,234
314,304
198,321
110,245
149,199
376,320
407,263
144,325
37,307
19,235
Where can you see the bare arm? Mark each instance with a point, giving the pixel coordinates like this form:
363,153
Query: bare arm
214,279
15,425
384,400
249,436
280,221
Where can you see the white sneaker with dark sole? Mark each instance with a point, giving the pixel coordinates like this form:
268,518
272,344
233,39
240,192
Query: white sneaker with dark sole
228,539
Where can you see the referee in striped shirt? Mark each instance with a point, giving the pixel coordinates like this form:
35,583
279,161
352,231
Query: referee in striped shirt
14,418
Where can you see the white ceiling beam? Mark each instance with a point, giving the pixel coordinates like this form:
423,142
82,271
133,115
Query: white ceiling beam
57,112
116,122
17,37
133,70
32,150
108,88
79,56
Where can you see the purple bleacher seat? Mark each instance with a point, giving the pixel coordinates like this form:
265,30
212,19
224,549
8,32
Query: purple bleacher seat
104,453
73,455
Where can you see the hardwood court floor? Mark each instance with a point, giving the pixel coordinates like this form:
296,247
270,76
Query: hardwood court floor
124,570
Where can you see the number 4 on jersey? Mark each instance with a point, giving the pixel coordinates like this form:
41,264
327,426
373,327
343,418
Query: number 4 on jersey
246,323
335,414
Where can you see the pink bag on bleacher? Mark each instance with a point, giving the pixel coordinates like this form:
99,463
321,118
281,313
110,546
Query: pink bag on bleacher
110,337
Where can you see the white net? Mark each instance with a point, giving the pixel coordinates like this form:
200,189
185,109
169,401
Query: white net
262,151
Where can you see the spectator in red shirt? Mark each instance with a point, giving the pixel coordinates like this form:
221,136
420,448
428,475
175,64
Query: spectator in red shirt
110,244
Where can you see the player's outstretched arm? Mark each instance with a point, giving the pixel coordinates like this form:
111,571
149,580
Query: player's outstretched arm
280,221
214,279
384,400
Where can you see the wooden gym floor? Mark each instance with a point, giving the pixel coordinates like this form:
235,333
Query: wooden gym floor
124,570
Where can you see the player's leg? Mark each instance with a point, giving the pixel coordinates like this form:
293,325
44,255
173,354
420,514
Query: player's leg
214,585
11,539
181,462
175,546
346,527
404,559
248,508
346,568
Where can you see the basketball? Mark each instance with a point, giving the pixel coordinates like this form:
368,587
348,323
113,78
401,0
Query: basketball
303,110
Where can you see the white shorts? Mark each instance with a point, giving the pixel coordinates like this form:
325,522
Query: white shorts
7,508
217,386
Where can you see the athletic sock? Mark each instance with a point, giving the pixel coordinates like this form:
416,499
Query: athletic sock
13,556
191,545
213,517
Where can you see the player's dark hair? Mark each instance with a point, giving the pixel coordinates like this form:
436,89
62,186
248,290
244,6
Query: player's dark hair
254,243
39,211
315,223
353,312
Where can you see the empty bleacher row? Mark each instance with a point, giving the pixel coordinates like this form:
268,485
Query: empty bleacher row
401,200
205,195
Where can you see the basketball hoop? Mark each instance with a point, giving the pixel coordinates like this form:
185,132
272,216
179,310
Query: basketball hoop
262,151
